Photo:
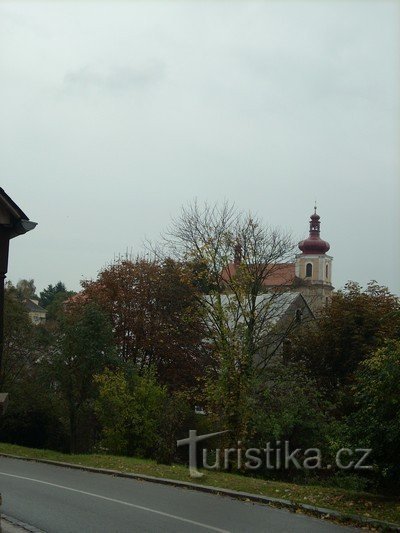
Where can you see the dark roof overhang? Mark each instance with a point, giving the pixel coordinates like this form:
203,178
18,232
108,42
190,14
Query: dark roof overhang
19,222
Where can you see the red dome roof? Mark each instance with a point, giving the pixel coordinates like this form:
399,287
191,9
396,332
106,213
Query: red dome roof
314,244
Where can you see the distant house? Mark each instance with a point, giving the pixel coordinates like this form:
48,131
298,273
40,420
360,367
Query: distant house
36,313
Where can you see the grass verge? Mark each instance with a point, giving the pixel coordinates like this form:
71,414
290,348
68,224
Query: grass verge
345,501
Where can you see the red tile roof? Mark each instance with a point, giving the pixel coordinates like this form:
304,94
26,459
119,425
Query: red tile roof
278,274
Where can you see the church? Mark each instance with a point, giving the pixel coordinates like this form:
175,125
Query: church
291,293
313,267
310,275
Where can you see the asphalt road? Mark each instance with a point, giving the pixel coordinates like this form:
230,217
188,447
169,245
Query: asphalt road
63,500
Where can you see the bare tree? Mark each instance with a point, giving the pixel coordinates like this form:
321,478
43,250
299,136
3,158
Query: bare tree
239,266
233,257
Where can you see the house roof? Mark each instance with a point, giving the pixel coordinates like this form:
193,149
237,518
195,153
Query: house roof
79,297
270,306
279,274
33,307
14,209
13,218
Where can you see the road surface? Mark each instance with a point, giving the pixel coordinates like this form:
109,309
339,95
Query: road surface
62,500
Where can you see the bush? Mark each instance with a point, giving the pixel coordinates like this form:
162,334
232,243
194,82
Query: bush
129,408
376,423
290,407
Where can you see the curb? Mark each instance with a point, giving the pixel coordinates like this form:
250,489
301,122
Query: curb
8,524
319,512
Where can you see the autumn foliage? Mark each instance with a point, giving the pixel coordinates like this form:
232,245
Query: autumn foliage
155,316
354,325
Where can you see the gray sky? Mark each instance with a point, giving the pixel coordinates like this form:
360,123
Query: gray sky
114,114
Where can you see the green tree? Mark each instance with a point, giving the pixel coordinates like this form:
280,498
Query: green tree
229,394
26,289
33,417
355,324
129,408
177,418
113,409
84,348
47,295
290,407
55,308
52,299
19,339
376,423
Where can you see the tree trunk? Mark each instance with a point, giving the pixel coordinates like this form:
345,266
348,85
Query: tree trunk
72,431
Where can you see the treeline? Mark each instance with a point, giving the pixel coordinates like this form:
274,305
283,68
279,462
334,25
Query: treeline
120,366
116,367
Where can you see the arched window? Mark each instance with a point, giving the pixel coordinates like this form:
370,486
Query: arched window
308,270
326,270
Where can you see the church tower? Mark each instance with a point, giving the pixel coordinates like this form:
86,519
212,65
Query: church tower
314,267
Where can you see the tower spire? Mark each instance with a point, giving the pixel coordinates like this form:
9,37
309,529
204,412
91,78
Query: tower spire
314,244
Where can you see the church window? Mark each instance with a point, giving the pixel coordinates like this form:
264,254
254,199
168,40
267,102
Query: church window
308,270
326,270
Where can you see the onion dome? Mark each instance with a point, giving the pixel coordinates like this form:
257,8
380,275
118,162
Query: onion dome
314,244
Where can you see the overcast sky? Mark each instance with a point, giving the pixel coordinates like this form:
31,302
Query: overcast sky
114,114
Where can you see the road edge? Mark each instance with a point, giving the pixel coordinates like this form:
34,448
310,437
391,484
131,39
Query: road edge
12,525
318,512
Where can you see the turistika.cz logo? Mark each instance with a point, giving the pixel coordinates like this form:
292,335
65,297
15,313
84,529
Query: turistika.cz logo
276,457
